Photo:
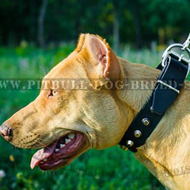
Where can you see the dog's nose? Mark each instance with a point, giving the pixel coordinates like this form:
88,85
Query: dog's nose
6,132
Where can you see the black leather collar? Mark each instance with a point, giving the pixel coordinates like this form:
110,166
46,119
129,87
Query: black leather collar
167,88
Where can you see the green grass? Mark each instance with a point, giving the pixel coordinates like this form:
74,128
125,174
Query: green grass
109,169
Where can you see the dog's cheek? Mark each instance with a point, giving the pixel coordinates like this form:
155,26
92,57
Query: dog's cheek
103,116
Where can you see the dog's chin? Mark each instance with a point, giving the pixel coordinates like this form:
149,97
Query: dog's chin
60,152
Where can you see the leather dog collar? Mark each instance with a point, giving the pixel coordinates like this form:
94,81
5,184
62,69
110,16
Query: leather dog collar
174,71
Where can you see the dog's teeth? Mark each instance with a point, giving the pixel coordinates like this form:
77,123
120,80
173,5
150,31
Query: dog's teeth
57,149
67,140
45,160
71,136
62,145
41,162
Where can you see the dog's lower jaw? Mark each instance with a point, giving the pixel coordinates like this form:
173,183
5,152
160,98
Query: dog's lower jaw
60,152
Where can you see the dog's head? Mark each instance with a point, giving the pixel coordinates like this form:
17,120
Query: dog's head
74,111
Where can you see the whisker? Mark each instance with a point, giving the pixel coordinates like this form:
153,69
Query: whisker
43,70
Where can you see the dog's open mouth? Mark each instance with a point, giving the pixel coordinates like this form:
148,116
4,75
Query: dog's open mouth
60,153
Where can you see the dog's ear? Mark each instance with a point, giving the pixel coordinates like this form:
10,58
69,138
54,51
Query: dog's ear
102,62
80,43
104,57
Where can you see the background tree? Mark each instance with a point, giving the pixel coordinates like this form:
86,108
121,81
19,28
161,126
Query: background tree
125,21
41,18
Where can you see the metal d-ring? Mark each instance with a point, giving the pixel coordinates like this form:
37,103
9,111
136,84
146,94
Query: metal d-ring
169,51
187,44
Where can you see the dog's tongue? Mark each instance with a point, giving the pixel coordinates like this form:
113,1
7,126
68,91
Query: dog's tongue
42,154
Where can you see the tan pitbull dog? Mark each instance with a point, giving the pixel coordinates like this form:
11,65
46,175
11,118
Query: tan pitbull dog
66,122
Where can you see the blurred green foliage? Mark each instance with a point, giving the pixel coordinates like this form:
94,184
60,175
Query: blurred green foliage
140,21
109,169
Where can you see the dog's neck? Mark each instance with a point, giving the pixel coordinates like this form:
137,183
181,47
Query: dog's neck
140,79
162,154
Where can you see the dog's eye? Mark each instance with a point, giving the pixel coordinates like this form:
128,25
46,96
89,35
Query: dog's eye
52,93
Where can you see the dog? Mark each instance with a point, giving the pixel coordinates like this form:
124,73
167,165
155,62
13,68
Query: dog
66,122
